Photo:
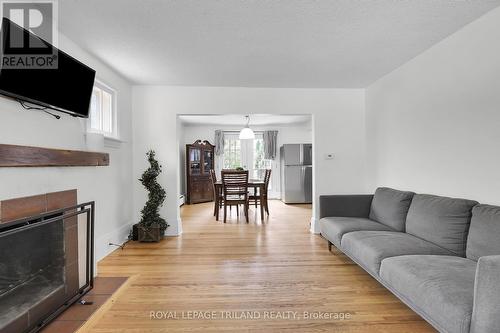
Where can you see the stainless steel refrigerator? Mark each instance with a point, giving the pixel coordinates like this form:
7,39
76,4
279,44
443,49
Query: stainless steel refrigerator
296,173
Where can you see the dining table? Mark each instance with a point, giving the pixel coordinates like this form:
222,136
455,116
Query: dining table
253,183
256,184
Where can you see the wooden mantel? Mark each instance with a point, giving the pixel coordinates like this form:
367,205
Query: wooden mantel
26,156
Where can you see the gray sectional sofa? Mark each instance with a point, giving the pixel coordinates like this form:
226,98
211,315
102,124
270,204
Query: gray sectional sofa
439,255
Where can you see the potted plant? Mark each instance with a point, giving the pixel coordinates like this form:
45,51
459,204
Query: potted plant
152,226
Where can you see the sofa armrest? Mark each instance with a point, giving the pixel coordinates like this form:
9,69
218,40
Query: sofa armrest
486,309
345,205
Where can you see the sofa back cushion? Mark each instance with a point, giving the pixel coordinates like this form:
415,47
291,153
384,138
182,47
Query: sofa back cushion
484,232
440,220
390,207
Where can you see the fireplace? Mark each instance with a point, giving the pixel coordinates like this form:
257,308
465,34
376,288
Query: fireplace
46,260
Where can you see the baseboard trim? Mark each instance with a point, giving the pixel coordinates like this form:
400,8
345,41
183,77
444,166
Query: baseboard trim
174,230
314,226
117,236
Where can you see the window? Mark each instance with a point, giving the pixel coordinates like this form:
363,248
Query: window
102,110
259,163
247,154
232,152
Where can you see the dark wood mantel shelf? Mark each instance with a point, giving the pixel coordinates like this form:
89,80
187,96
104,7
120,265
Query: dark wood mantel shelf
25,156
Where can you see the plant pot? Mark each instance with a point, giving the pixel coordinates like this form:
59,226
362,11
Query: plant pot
151,234
135,232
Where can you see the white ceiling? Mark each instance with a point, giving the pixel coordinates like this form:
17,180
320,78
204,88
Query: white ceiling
262,43
240,120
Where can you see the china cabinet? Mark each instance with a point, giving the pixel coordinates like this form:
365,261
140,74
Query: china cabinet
199,162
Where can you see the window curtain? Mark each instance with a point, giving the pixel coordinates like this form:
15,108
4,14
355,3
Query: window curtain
219,142
219,152
270,144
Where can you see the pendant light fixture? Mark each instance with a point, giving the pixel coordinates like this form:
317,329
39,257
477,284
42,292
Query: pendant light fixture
247,133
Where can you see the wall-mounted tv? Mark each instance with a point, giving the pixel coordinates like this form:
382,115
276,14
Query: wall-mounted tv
65,87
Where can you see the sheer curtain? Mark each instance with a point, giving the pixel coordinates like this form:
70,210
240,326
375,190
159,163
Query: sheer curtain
219,142
219,152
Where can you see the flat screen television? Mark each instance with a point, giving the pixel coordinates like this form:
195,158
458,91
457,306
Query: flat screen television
66,87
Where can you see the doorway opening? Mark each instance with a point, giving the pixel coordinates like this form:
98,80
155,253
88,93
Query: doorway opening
246,154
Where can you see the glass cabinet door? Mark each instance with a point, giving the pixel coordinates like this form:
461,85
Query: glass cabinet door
195,161
207,161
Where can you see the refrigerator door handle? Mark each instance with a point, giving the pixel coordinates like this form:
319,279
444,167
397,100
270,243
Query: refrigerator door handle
303,182
308,184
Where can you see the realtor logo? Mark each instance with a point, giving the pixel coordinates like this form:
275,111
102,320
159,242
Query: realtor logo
36,49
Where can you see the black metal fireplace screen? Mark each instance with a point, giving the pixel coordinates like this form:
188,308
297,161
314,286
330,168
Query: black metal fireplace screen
46,265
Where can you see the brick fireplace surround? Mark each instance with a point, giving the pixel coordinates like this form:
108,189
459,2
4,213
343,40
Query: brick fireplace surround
14,209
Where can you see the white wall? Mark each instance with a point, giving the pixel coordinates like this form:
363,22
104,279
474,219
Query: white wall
110,187
181,146
338,125
292,133
434,124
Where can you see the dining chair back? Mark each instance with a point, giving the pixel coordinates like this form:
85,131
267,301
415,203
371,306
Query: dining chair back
213,176
217,194
267,178
235,190
261,197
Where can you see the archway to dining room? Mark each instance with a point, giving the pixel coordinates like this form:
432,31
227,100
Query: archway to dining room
277,156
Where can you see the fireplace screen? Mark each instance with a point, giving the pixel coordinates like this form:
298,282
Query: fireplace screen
46,264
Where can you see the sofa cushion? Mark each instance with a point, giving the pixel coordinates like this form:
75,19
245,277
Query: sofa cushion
390,207
441,288
369,248
333,228
484,232
440,220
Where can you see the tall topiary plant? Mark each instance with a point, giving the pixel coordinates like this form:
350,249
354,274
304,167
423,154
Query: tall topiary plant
150,216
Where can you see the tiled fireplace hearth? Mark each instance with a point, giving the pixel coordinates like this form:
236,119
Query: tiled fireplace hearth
44,258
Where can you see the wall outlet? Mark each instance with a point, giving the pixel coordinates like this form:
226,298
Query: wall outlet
329,156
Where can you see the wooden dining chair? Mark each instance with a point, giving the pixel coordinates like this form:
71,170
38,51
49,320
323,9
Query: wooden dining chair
262,195
235,190
265,194
218,198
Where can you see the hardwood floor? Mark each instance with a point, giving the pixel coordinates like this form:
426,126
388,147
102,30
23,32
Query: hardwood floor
259,270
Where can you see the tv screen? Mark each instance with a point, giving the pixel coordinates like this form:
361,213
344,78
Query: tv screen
43,75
